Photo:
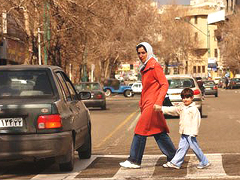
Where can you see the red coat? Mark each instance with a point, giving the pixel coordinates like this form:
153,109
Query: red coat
155,86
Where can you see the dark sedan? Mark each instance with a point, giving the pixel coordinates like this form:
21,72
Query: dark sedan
98,98
41,115
234,83
210,88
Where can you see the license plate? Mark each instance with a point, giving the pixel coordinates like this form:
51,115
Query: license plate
208,88
11,122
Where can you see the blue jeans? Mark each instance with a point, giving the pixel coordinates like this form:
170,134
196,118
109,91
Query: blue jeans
138,145
185,143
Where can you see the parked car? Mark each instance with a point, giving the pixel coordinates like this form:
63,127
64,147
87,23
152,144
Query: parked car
137,87
98,98
41,115
234,83
114,86
176,84
210,88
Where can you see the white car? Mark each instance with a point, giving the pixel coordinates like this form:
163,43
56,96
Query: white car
176,84
137,87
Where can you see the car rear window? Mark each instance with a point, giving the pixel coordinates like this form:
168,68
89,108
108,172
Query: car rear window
88,86
181,83
209,83
24,83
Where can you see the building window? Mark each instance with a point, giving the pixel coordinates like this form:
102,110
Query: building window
195,19
203,69
199,69
216,53
194,69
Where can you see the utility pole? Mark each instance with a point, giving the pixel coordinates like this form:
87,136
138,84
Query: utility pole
47,34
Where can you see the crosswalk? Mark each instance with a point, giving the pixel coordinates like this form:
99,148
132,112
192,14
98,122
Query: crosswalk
223,166
106,167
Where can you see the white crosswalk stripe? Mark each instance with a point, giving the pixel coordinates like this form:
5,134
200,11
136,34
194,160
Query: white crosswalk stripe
147,171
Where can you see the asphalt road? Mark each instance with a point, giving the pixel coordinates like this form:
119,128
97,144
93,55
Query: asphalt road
112,132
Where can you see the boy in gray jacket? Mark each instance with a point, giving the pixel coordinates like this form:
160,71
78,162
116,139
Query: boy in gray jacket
188,128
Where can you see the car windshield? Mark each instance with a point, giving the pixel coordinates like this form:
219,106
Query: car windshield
180,83
236,79
24,83
88,86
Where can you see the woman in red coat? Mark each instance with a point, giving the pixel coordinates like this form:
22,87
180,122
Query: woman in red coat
151,121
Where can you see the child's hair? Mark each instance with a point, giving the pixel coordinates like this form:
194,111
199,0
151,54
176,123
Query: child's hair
187,93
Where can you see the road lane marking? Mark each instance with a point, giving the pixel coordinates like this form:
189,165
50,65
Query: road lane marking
79,165
115,130
149,164
134,122
213,171
146,171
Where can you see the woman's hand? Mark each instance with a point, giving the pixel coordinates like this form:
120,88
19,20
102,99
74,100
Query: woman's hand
157,107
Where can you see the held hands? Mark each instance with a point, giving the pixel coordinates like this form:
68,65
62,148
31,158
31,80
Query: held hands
157,107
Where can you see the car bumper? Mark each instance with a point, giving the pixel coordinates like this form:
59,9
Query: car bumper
94,103
34,145
210,92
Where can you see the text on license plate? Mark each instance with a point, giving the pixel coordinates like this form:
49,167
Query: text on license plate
11,122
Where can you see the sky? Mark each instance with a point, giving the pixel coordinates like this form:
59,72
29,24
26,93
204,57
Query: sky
184,2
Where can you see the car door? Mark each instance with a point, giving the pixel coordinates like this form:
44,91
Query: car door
78,110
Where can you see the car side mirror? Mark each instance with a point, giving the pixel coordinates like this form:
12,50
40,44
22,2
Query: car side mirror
83,95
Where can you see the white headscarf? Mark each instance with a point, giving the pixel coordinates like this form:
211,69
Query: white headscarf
149,53
149,50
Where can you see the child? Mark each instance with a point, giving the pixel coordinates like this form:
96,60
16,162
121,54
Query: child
188,128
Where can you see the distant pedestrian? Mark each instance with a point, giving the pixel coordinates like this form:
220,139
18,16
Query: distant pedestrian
190,119
226,82
151,121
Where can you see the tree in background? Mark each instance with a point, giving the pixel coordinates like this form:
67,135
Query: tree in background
231,42
77,34
176,40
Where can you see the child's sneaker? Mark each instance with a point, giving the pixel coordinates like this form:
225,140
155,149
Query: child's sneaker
170,165
128,164
203,166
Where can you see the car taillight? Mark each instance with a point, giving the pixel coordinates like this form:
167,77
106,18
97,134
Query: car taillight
215,87
49,121
196,92
99,96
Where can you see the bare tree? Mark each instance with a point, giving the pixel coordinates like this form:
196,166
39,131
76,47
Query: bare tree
177,43
230,43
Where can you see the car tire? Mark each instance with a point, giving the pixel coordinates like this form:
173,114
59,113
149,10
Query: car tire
85,151
108,92
128,93
200,110
216,95
104,106
68,166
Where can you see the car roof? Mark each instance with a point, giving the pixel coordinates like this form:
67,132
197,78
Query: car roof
28,67
87,83
179,76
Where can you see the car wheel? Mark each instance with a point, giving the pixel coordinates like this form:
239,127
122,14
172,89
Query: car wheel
104,106
216,95
128,93
85,151
108,92
200,110
68,166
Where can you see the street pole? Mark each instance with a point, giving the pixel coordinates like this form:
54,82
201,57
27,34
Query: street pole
39,47
208,42
47,34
